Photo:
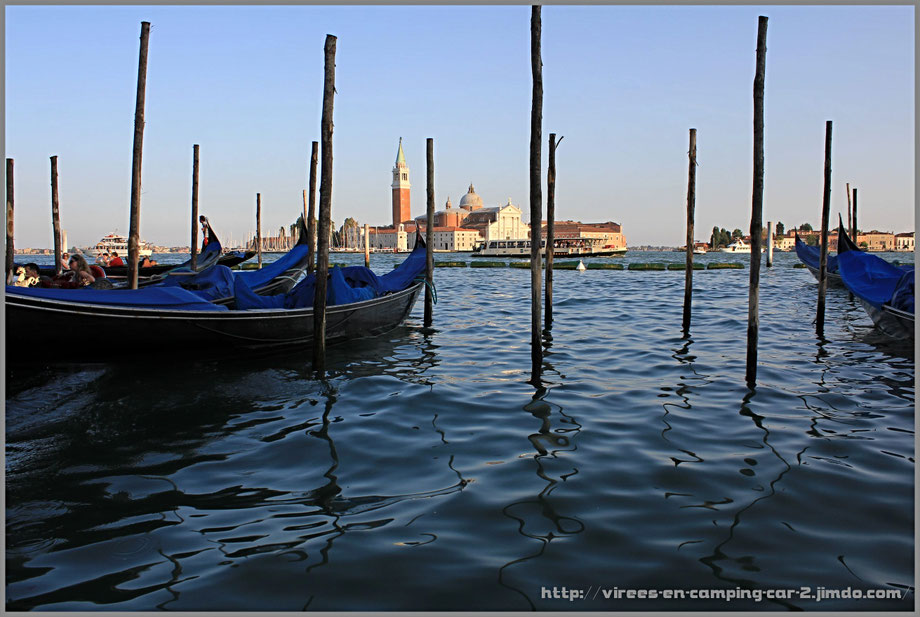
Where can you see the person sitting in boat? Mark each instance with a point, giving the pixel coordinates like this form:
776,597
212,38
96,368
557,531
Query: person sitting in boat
147,262
116,260
28,276
65,259
78,275
103,260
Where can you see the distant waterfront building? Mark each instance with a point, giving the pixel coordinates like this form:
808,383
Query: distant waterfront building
784,243
496,223
904,242
877,240
602,235
388,238
449,238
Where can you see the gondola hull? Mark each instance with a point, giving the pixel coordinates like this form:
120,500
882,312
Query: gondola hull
36,328
833,278
891,321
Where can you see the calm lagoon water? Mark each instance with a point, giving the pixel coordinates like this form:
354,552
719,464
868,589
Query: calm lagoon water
426,474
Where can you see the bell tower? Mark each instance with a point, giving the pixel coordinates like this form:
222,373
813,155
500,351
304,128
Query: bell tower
400,186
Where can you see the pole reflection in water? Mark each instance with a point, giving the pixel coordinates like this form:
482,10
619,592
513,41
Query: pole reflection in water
548,443
747,563
325,494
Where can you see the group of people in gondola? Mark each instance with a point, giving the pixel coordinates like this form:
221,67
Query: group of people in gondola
76,274
105,260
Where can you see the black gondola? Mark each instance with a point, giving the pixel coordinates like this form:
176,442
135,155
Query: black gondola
811,257
885,291
173,320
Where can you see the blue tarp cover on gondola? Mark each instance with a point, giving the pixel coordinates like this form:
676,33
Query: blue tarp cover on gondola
256,278
876,281
811,256
156,297
219,282
346,285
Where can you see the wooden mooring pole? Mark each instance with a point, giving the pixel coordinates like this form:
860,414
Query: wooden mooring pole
135,220
259,227
691,211
825,221
849,211
429,233
325,211
194,247
311,212
56,216
536,194
855,231
770,244
10,249
367,246
550,229
756,205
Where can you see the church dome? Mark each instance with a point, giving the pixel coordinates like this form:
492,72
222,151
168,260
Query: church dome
471,201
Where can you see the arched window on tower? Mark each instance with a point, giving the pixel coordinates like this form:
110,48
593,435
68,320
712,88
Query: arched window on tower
405,177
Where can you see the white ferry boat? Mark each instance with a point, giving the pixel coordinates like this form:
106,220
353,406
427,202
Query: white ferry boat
738,246
119,243
561,248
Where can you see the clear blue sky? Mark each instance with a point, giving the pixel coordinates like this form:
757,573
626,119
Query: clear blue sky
623,84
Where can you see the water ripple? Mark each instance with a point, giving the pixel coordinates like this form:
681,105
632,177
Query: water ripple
426,473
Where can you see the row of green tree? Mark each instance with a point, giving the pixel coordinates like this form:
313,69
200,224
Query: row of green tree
721,237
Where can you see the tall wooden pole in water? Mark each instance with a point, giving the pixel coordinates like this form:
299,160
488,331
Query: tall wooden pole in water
825,221
325,211
194,247
536,193
855,231
55,216
849,211
311,213
135,221
10,252
770,244
756,205
550,228
259,227
691,211
429,233
367,246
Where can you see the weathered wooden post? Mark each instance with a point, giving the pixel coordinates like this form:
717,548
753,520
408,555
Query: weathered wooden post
10,250
849,212
429,233
691,212
311,213
56,216
769,244
194,246
756,205
536,194
367,246
135,220
259,227
855,231
325,211
825,221
550,228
